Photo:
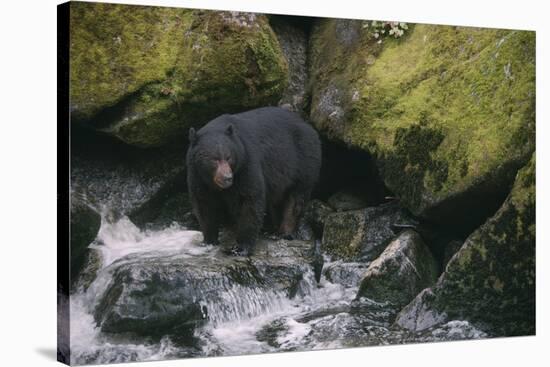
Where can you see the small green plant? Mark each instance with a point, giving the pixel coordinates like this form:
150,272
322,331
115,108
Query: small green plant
380,30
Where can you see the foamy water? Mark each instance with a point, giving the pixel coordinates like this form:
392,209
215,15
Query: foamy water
122,238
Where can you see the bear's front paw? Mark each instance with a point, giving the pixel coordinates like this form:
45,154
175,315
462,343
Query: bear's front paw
210,240
239,251
287,236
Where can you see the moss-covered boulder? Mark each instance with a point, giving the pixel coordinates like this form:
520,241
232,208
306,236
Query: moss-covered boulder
145,74
361,235
447,112
491,279
315,215
404,269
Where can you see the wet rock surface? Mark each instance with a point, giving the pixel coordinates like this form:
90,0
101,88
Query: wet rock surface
404,269
169,204
158,296
315,216
119,179
365,324
348,274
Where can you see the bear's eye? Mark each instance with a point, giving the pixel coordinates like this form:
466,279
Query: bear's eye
213,163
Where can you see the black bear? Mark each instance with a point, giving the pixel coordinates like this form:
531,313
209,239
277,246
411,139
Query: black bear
241,166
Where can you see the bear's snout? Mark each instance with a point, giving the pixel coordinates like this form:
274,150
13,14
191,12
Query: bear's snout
224,175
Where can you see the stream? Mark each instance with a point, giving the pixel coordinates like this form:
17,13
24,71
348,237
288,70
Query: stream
233,306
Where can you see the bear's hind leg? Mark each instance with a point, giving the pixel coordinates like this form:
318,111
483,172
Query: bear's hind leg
293,208
288,222
274,213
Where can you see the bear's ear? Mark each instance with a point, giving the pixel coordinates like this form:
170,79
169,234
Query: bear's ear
230,130
192,136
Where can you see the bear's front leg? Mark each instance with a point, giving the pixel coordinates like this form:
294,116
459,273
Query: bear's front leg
208,215
210,230
249,225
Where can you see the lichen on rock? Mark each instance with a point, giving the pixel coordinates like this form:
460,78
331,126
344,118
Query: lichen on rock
491,279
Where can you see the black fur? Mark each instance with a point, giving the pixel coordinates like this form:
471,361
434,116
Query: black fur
275,157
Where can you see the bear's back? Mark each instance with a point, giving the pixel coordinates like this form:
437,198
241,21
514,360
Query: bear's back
287,147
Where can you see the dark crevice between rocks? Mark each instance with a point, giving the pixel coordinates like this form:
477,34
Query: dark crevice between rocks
304,23
471,208
94,144
106,116
463,214
293,35
119,176
345,168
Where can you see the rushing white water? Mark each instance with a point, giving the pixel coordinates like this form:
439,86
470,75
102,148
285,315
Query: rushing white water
114,242
246,320
122,238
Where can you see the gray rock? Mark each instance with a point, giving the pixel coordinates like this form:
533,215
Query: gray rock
293,41
349,274
404,268
347,200
119,177
419,315
170,203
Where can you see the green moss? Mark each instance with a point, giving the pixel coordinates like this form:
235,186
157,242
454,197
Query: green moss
115,51
177,68
476,87
410,161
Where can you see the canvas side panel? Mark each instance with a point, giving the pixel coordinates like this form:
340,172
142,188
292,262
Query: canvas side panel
63,175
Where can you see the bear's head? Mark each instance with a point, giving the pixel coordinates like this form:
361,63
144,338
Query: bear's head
216,156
